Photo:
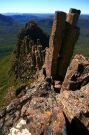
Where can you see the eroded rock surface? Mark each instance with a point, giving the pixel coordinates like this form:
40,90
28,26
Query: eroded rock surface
29,54
41,110
77,74
74,96
76,108
36,113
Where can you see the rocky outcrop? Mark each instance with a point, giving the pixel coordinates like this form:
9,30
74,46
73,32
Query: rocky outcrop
35,113
62,41
29,54
76,108
74,95
77,74
41,110
75,102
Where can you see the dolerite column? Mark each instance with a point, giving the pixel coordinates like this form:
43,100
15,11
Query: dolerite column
27,44
37,59
33,64
71,36
39,49
55,43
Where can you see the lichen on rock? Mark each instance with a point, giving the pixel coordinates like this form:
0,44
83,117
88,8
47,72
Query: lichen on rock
19,130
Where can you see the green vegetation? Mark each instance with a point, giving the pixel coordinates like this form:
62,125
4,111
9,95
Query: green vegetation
82,46
4,68
8,38
9,87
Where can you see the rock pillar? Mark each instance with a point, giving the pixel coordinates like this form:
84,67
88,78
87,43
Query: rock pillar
64,35
55,43
71,36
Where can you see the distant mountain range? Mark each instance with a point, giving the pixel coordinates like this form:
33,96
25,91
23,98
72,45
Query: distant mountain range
6,20
37,14
41,19
16,21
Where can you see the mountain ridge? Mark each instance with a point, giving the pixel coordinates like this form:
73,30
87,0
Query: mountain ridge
6,20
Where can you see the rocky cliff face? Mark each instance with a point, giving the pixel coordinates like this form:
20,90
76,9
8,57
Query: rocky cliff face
53,106
29,54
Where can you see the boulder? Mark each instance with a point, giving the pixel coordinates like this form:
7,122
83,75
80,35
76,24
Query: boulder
76,109
77,74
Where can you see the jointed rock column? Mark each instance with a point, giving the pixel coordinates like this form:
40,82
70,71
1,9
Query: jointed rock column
55,43
71,36
64,35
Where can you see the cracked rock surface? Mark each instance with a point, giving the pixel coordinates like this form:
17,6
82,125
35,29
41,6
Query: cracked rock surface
36,113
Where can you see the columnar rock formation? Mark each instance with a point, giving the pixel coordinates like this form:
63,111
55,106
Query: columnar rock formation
30,51
64,35
29,59
29,54
55,42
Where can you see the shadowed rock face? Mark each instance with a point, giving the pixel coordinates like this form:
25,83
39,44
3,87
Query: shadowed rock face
74,96
76,108
73,16
77,74
35,33
64,35
29,54
51,58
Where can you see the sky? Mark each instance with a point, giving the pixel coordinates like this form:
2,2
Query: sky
42,6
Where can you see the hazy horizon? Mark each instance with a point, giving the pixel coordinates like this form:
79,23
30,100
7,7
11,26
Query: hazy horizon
10,14
47,6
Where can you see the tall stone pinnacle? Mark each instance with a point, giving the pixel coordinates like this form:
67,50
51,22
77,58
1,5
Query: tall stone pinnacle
55,43
63,37
73,16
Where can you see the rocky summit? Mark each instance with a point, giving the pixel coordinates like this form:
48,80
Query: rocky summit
29,54
56,103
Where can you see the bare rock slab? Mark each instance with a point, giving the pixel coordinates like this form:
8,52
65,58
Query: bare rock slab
76,105
77,74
